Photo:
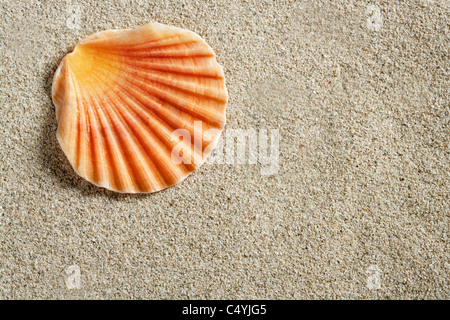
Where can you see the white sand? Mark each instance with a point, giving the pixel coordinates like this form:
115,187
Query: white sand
364,159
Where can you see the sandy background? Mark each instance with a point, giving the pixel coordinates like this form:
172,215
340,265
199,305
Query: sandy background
363,175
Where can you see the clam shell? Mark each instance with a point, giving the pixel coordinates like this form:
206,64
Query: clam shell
122,97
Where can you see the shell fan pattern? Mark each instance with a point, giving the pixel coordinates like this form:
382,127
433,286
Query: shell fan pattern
121,95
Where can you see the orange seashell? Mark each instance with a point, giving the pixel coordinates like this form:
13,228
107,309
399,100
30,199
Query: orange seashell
124,98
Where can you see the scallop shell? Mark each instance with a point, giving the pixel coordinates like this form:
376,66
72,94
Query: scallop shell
126,100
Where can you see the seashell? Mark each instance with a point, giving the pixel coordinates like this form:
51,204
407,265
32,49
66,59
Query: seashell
139,110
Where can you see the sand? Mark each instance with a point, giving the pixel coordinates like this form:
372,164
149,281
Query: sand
359,205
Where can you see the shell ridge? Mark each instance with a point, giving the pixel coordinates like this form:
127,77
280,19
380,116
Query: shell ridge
161,136
116,174
157,49
171,65
111,171
99,174
153,174
181,112
188,78
161,141
178,85
84,143
159,161
220,95
182,105
170,112
78,140
185,110
113,116
87,97
182,90
132,115
153,65
85,163
123,176
157,43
